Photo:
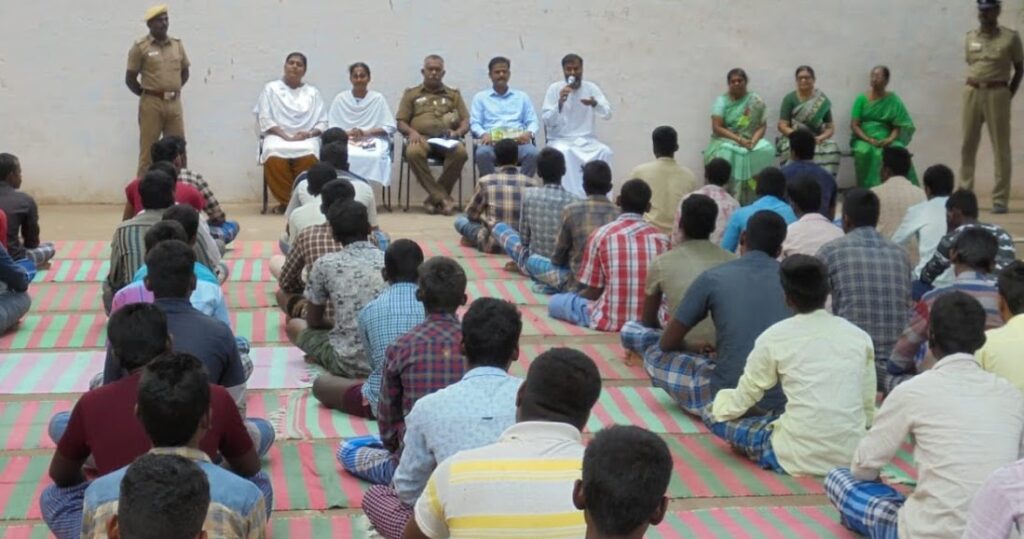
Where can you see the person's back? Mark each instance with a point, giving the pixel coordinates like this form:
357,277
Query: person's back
812,229
580,219
669,181
127,253
827,182
926,220
161,492
1001,353
717,174
962,215
998,508
498,199
22,215
771,191
542,213
897,192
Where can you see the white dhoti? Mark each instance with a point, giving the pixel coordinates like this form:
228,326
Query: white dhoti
578,152
371,162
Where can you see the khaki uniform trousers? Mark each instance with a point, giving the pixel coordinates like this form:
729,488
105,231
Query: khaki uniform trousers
440,189
157,117
987,106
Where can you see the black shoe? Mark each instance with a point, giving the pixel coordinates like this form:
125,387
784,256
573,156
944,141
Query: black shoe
1000,210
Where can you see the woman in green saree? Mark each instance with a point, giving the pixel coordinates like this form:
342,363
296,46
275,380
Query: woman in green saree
737,127
879,120
809,109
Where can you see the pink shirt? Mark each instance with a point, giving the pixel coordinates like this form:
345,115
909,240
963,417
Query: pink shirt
726,205
808,234
999,506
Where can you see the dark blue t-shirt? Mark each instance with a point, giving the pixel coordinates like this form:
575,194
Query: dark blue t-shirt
795,169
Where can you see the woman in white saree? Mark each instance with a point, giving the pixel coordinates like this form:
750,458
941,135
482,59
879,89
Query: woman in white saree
365,115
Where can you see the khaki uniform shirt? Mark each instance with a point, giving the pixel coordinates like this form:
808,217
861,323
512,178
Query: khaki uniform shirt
159,63
990,56
432,113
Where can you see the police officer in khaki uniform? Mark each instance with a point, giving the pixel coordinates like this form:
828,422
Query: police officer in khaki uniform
163,64
992,51
434,110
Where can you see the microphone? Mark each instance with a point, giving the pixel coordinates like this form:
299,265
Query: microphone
570,81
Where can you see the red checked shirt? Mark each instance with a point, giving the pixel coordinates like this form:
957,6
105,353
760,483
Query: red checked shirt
617,257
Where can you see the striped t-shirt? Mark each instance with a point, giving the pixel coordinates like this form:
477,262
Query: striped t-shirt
520,486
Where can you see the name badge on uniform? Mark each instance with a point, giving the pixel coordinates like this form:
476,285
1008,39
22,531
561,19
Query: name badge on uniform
975,46
153,53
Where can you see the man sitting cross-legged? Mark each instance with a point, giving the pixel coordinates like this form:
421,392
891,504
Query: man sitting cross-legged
498,199
103,434
744,297
826,367
14,299
672,273
669,181
300,188
965,423
522,485
168,152
161,492
626,471
347,279
812,229
220,227
174,408
309,214
465,415
22,239
614,266
1001,353
771,193
392,314
717,174
424,360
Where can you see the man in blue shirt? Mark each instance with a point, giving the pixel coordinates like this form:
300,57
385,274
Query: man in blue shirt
801,163
771,192
502,112
14,299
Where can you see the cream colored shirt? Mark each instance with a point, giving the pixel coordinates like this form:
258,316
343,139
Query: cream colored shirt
808,234
897,195
1002,353
966,423
826,366
669,182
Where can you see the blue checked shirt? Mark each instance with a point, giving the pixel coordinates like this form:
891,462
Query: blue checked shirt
512,110
542,217
381,322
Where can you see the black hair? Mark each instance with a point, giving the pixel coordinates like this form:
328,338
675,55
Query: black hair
805,193
162,497
718,171
597,177
957,324
808,69
137,333
562,385
861,207
156,189
166,149
163,231
186,216
166,167
353,67
626,472
338,189
1011,286
885,71
318,176
335,154
898,161
736,71
965,201
333,134
8,164
766,230
442,284
771,181
170,266
506,153
349,221
698,216
498,60
551,165
174,395
805,282
977,248
402,261
305,62
572,58
635,196
802,143
665,140
939,180
490,333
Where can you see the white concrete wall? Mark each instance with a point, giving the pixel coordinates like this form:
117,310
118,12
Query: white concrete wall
66,113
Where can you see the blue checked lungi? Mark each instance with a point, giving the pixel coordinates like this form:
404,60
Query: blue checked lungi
867,507
752,436
366,458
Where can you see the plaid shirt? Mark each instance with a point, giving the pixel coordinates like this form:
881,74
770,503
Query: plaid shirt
542,217
424,360
726,205
616,260
940,260
214,213
912,346
579,220
498,199
313,242
392,314
870,281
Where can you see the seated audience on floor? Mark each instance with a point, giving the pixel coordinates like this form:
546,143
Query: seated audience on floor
498,199
801,163
973,257
188,219
964,422
743,297
102,432
899,194
869,277
669,181
924,224
470,413
717,173
996,509
771,195
174,407
811,229
309,214
161,492
14,299
626,471
348,280
300,189
1003,345
199,233
22,240
169,152
672,273
501,489
394,312
614,267
826,367
220,227
426,359
311,244
961,215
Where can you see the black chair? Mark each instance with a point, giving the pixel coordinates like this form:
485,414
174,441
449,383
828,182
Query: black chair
405,175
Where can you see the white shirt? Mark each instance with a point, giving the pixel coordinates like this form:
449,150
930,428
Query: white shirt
966,423
293,110
927,221
308,207
808,234
575,120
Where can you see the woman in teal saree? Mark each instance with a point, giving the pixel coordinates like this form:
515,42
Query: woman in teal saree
808,108
879,120
738,126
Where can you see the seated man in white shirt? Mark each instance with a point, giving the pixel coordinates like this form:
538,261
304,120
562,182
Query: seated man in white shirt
300,188
926,221
309,214
826,366
812,229
568,113
501,112
965,423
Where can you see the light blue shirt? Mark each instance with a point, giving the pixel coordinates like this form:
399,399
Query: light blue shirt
202,272
511,110
381,322
470,413
738,221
